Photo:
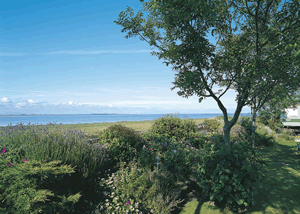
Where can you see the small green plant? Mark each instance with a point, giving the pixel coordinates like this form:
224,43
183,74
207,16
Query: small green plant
230,178
173,127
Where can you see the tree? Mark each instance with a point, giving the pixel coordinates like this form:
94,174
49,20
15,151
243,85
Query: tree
239,58
272,111
269,56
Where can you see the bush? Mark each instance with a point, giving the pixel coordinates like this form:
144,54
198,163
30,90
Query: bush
212,125
178,157
156,191
287,135
41,144
262,137
246,122
123,143
230,179
198,140
24,188
120,131
169,127
19,144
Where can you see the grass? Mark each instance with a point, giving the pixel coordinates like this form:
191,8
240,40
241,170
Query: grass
281,189
294,120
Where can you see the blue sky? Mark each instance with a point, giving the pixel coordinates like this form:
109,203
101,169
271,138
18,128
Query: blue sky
69,57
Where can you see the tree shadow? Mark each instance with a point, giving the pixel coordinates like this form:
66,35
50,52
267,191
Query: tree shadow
280,189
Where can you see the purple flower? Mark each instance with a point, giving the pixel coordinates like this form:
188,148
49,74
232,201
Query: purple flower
105,159
8,164
3,150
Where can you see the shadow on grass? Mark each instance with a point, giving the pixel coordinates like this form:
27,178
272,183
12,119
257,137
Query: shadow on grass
280,190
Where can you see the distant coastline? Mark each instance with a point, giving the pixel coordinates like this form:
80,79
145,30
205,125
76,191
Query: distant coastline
20,115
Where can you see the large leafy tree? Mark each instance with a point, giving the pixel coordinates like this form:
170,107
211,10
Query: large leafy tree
240,60
268,54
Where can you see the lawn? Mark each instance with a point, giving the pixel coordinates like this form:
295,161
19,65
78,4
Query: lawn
294,120
280,191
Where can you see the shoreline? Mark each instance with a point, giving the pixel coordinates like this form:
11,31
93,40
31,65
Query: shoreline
82,124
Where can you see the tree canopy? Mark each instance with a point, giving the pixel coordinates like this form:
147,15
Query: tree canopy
261,57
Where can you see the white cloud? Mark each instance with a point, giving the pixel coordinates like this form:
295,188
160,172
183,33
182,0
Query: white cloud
4,99
31,101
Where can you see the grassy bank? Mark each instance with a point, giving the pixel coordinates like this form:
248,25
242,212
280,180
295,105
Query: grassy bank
280,190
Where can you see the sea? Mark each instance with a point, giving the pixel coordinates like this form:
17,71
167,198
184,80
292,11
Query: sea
12,120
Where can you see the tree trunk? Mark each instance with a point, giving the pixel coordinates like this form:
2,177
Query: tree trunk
253,116
226,131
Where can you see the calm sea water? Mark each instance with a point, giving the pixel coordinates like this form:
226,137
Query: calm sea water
90,118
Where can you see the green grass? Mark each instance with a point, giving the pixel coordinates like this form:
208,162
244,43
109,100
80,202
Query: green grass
294,120
280,192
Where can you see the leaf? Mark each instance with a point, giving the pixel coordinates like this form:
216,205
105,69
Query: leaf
240,201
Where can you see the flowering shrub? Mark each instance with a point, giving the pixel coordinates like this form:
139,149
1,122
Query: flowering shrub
138,191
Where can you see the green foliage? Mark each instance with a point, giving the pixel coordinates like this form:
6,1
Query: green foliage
287,136
261,135
22,188
267,119
198,140
212,125
157,191
230,179
119,150
123,143
173,127
129,135
181,162
247,124
67,145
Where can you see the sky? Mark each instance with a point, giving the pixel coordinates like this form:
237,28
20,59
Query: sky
69,57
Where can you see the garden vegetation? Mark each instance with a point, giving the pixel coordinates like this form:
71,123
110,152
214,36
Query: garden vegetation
58,171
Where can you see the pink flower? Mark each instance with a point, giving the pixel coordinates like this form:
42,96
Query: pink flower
25,160
105,159
8,164
3,150
143,205
150,149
